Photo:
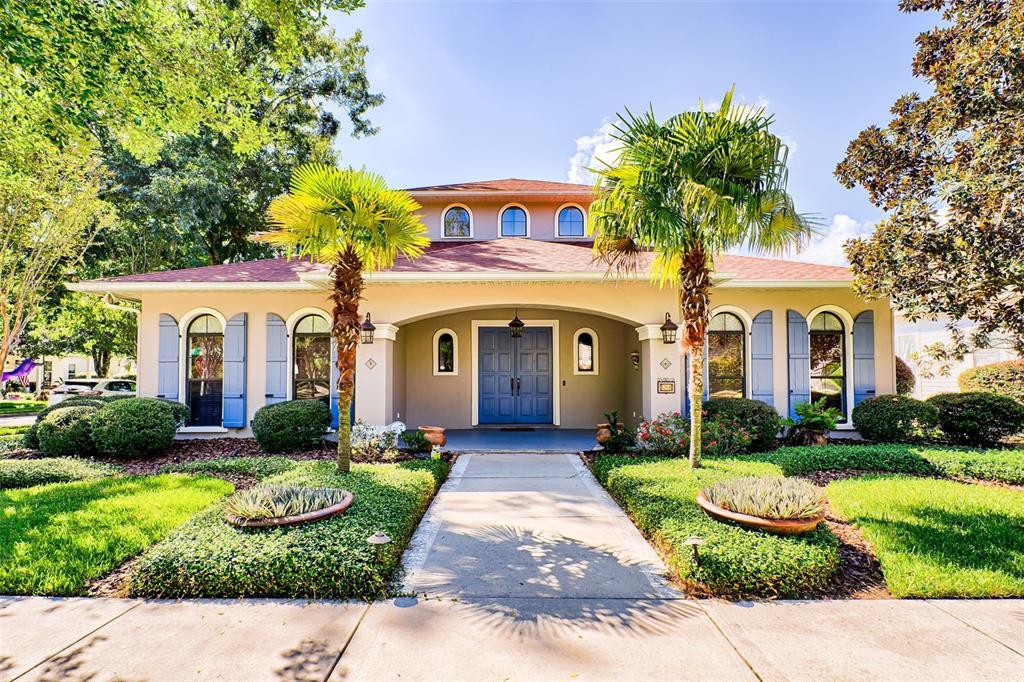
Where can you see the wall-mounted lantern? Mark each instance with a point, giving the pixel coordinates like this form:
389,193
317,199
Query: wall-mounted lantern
669,330
366,330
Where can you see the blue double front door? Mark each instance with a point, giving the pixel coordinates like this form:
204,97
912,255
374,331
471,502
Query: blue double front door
515,376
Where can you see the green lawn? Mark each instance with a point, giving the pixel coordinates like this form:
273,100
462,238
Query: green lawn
54,538
330,558
659,495
11,407
938,538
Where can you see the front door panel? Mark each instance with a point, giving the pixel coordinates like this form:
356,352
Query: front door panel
515,380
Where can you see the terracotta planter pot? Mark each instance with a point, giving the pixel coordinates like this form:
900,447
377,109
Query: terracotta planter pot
435,435
604,432
340,508
777,526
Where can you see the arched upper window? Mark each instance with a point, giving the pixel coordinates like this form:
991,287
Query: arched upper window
446,353
828,360
205,380
514,222
458,222
311,359
727,354
571,222
585,352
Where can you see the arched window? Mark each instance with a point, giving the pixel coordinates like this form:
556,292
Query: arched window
458,222
727,353
205,390
571,222
585,351
828,360
446,353
311,359
513,222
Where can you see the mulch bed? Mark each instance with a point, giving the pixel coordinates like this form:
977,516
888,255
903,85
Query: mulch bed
202,449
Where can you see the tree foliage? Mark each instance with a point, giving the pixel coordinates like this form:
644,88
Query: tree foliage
947,170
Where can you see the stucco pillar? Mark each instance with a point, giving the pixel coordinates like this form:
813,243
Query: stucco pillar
375,374
661,367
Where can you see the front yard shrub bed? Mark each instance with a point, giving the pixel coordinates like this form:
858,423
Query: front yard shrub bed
291,425
659,495
67,432
207,557
761,421
134,427
55,538
938,538
22,473
978,418
895,419
256,467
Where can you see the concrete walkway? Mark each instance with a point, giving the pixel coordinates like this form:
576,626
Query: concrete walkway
523,569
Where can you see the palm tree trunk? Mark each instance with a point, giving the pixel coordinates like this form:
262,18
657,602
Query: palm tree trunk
348,289
694,288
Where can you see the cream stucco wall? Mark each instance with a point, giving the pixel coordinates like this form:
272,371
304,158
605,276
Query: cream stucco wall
403,385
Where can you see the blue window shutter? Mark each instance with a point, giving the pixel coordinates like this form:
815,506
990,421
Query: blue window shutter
863,357
234,372
334,386
167,379
799,362
761,369
277,361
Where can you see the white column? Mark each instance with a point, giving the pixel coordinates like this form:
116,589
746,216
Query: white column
661,368
375,373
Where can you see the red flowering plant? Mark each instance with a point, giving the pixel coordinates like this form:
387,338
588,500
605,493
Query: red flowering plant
724,437
669,435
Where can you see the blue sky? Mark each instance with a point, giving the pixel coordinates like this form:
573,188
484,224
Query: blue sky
485,90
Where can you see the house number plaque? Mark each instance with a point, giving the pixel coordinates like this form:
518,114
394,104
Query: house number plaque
666,385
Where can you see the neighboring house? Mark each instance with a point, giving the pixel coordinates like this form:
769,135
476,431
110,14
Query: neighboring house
911,337
228,339
52,370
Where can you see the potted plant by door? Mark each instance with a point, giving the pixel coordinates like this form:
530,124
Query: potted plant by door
813,423
435,435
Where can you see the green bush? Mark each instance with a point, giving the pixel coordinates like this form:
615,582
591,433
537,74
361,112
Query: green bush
895,419
179,411
258,467
1005,466
660,496
134,427
905,379
1005,378
24,473
978,418
330,558
760,420
31,438
416,441
291,425
67,432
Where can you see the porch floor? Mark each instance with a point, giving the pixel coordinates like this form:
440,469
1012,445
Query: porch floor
538,440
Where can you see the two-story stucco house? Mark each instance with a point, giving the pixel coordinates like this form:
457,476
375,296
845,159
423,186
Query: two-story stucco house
229,339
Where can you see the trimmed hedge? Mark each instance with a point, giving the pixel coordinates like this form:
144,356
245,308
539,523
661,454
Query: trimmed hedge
259,467
134,427
1005,378
330,558
291,425
24,473
67,432
659,495
759,419
31,438
895,419
978,418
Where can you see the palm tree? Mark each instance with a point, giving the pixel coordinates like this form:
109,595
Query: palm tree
700,183
353,221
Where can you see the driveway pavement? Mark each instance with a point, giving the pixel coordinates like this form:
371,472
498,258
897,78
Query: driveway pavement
523,569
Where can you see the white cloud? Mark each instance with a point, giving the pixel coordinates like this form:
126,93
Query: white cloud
827,247
592,151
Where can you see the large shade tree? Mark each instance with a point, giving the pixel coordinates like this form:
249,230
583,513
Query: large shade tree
684,189
352,221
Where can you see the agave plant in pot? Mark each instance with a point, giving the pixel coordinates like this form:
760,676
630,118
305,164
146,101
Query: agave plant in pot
774,504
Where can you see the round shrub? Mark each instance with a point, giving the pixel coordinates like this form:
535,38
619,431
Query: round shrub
761,421
134,427
905,379
31,437
179,411
66,432
1005,378
978,418
895,419
291,425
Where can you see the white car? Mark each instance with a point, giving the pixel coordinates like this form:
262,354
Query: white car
97,387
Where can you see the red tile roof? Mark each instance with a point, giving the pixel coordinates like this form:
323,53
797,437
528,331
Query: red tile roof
500,255
508,185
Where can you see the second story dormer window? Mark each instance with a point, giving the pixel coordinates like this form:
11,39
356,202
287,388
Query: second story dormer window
458,222
514,222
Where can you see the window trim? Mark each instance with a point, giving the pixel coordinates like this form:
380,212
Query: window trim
183,360
455,353
289,327
558,211
293,337
576,353
748,328
744,334
472,222
501,212
847,321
